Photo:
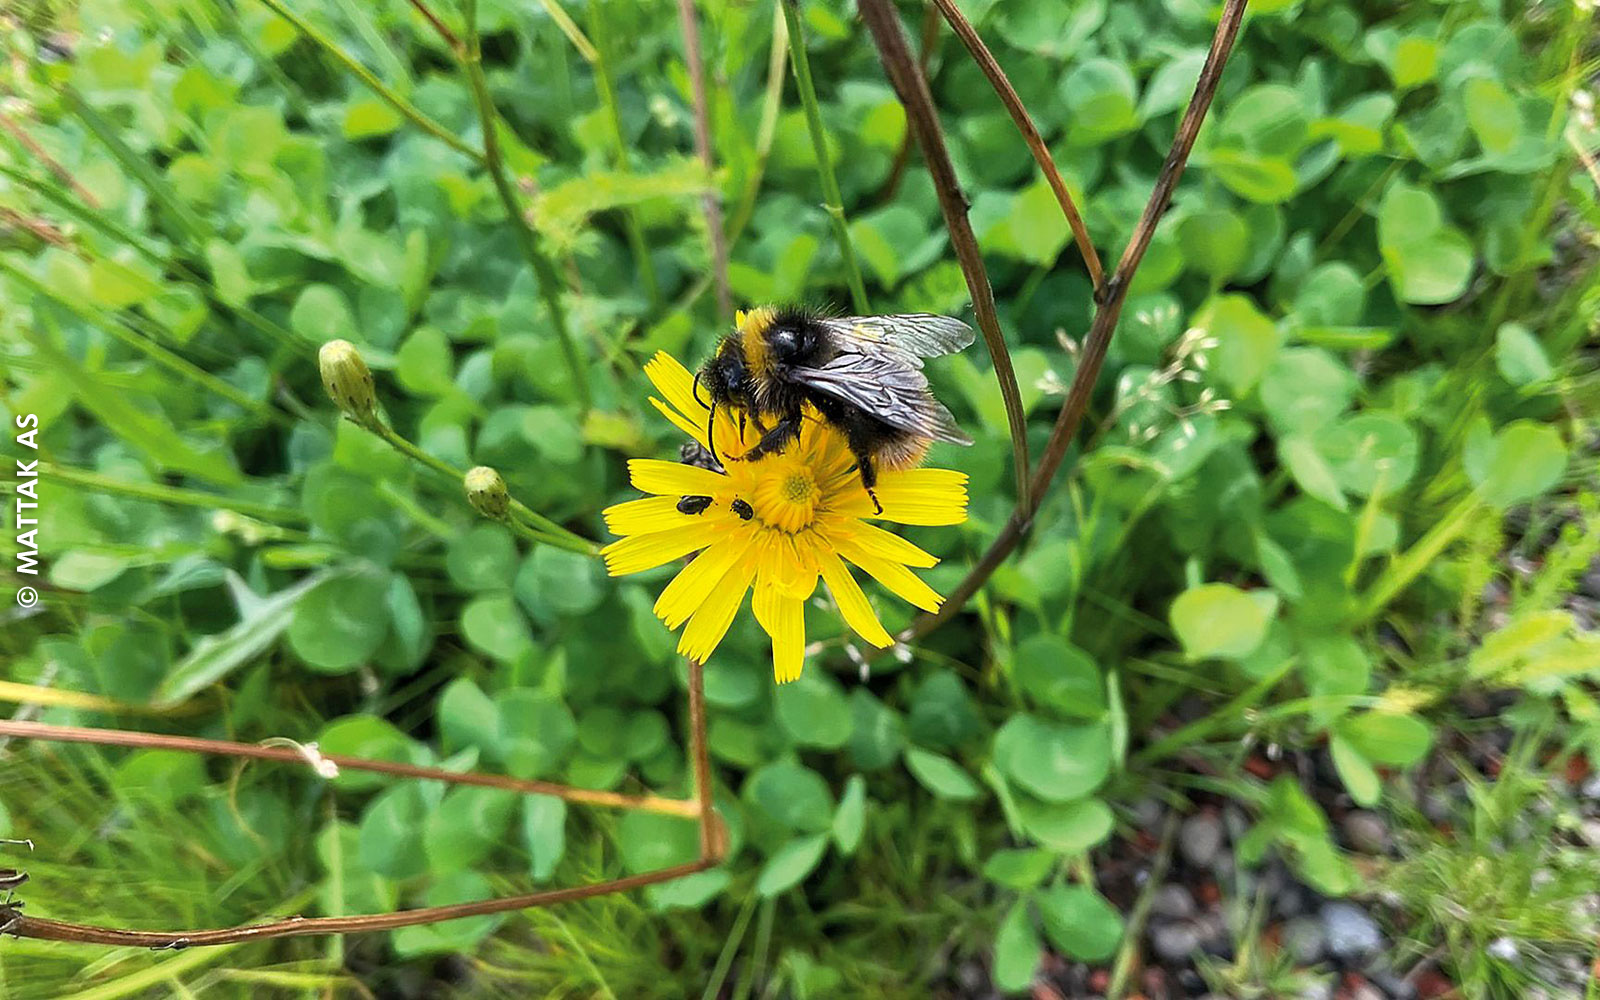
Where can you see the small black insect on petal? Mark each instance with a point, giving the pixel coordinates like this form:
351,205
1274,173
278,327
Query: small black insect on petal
693,505
743,509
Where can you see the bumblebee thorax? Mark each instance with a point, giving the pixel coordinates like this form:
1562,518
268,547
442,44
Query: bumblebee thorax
753,327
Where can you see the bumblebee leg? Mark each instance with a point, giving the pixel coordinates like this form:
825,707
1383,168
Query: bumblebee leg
868,468
782,433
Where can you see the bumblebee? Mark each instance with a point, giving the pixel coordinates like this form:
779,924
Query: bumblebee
861,374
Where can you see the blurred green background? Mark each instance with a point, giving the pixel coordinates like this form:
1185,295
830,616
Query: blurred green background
1327,535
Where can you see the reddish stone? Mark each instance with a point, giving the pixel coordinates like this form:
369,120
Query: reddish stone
1577,768
1208,894
1099,980
1432,985
1260,767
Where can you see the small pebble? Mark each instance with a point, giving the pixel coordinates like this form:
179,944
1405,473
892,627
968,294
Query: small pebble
1290,901
1366,831
1215,936
1200,839
1304,938
1589,830
1591,786
1175,942
1366,991
1147,813
1173,902
1350,931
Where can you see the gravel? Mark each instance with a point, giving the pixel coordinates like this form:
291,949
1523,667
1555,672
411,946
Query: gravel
1200,839
1173,902
1304,938
1175,942
1366,831
1351,932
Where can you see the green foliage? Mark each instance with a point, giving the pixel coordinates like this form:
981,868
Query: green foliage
1346,369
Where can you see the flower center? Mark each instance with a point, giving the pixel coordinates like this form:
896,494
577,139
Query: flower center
788,499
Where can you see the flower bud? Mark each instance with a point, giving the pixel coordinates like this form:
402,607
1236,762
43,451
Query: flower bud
348,380
486,491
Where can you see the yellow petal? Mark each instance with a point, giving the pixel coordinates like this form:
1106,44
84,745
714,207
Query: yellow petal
637,553
787,564
683,423
710,621
900,581
853,605
890,546
654,475
914,496
676,384
691,587
784,619
644,516
731,443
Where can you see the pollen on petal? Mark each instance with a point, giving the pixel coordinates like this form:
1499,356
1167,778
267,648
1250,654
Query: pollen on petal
783,617
637,553
654,475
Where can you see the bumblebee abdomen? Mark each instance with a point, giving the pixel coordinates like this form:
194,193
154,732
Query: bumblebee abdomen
905,451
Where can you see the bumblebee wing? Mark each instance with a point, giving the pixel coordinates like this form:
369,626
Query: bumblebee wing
916,335
892,389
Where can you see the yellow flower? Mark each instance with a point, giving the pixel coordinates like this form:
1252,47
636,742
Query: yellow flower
805,517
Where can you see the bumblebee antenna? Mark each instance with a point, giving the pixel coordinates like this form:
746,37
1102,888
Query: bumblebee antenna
696,390
711,432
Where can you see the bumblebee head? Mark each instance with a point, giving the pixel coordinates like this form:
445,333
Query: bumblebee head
723,377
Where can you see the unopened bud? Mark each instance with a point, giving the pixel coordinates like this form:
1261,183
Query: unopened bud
348,380
486,491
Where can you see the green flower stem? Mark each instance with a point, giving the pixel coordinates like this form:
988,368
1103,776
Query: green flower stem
1418,558
570,28
377,86
536,527
608,97
833,200
114,326
543,270
161,493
